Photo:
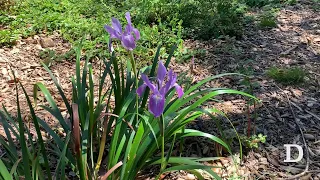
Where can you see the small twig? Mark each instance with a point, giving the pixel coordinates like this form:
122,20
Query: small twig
295,105
111,170
306,170
114,115
315,116
288,51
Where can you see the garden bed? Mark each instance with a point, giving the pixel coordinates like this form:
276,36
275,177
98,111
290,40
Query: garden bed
285,109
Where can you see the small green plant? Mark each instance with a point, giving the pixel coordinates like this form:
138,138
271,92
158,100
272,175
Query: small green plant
291,2
7,37
268,20
246,69
287,76
316,5
253,141
48,56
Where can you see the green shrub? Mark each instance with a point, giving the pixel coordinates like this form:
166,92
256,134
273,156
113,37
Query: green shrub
77,19
262,3
294,75
268,19
206,19
159,21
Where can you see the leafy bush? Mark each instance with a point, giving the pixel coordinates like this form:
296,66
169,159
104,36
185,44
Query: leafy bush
293,75
268,19
75,20
207,19
159,21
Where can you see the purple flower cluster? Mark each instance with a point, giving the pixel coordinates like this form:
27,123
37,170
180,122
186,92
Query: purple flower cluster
128,37
159,89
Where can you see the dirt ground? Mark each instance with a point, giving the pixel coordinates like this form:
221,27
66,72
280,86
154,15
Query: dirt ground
286,114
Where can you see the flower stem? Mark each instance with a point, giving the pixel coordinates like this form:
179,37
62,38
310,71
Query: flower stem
163,160
134,67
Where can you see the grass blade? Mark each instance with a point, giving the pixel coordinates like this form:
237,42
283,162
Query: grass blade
25,152
54,108
4,173
61,162
37,127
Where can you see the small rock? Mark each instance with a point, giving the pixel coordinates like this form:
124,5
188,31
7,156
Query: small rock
71,173
190,177
271,121
241,172
205,150
36,37
38,47
231,169
15,50
264,161
217,170
30,40
309,136
46,42
310,104
271,117
224,161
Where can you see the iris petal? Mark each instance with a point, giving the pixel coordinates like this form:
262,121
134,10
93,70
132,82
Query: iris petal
161,74
128,29
128,17
128,42
141,89
116,25
148,83
169,84
136,33
111,31
156,104
179,90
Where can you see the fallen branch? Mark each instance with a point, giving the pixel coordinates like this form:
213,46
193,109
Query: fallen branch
306,170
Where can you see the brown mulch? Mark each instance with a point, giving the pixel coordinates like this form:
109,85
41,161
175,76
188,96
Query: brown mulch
294,42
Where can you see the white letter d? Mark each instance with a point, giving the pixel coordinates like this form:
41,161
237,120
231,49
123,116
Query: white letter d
288,153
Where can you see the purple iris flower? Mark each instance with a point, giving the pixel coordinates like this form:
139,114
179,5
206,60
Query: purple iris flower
159,89
128,37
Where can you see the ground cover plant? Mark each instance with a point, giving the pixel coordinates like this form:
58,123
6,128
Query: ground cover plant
293,75
159,21
133,132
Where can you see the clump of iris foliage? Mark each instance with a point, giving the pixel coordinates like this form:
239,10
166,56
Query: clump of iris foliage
106,140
